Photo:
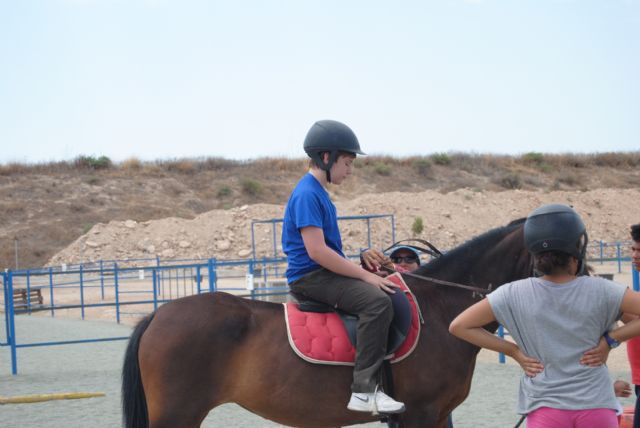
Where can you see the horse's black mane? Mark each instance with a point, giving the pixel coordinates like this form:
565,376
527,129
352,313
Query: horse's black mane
471,247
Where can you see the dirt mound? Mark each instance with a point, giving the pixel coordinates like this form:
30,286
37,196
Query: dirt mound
449,219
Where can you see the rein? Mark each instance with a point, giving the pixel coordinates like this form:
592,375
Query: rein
434,252
475,290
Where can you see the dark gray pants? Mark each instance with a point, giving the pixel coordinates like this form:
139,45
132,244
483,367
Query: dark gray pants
374,310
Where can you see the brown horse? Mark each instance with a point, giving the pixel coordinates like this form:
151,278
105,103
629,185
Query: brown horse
198,352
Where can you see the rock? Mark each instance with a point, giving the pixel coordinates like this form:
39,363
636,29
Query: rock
244,207
223,245
151,249
168,253
184,244
244,253
92,244
131,224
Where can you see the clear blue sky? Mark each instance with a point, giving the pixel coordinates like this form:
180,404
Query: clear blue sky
158,79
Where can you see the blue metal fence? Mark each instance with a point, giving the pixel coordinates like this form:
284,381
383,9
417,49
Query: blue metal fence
137,290
131,291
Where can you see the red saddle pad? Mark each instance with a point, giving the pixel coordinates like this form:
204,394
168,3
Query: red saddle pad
321,337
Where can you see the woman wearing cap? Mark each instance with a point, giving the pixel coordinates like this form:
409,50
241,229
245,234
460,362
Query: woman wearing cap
401,259
557,320
318,269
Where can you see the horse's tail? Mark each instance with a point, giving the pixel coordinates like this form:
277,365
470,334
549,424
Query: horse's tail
134,404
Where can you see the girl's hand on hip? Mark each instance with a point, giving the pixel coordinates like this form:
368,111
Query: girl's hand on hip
597,356
531,366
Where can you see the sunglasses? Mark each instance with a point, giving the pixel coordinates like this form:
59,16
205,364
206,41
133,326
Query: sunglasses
406,259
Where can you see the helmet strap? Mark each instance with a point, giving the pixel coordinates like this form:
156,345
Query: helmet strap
333,155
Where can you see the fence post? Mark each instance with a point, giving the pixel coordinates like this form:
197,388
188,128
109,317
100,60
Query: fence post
6,303
51,290
155,289
212,275
250,284
501,357
115,283
82,291
393,228
28,292
601,253
275,250
618,255
198,278
102,279
11,339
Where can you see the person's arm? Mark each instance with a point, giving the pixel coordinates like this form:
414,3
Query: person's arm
469,326
630,308
313,239
630,305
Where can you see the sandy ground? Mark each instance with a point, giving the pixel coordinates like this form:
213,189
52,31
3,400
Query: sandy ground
96,368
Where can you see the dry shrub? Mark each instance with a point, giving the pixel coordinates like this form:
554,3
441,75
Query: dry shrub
13,168
568,178
181,166
131,164
509,181
218,164
615,160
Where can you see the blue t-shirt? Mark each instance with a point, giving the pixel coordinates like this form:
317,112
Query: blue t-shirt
308,205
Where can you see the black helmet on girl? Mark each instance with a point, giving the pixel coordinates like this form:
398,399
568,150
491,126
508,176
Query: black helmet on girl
333,137
555,227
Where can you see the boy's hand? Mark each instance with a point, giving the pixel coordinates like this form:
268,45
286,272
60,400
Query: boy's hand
383,283
372,259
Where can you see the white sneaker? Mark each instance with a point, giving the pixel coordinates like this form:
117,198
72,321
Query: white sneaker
374,402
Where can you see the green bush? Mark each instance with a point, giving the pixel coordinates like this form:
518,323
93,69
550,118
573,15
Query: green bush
422,165
91,162
251,186
533,157
224,191
441,159
382,169
418,226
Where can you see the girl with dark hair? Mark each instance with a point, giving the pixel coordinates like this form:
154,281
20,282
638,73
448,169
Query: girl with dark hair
560,324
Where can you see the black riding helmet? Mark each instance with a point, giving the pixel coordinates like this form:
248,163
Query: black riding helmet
333,137
556,227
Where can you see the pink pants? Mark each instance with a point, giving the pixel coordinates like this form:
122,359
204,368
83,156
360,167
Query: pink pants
546,417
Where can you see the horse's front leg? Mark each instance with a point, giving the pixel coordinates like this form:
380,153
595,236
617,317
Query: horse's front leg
424,417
